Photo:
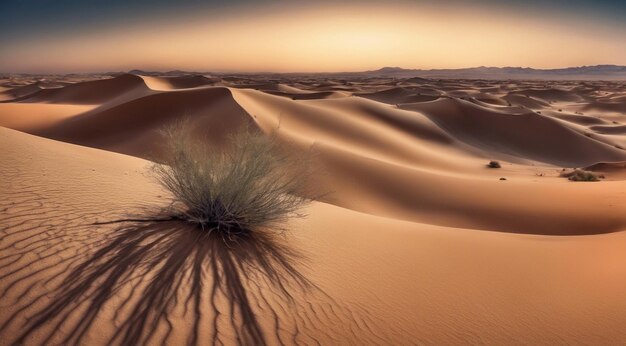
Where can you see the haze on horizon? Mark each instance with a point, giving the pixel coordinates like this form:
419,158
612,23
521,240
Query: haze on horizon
304,36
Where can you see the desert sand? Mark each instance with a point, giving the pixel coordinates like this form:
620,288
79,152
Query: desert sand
414,240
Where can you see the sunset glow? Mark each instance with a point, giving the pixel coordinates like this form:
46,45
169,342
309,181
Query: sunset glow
326,38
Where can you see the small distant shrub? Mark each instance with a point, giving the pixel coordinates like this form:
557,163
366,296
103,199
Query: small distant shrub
247,186
580,175
494,164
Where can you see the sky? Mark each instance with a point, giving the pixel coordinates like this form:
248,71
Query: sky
61,36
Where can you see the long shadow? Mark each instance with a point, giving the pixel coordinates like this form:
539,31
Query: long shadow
157,268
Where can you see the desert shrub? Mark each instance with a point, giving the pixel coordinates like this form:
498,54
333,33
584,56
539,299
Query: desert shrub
247,185
494,164
580,175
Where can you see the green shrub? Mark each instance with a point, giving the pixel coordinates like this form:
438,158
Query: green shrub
245,186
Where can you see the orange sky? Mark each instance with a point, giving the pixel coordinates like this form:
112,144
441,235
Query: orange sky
328,38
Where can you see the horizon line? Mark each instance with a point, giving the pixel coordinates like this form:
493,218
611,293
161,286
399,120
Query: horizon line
304,72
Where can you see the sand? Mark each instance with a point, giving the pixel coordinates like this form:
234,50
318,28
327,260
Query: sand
414,240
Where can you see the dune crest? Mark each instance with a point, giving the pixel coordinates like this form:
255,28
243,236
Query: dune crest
443,215
435,142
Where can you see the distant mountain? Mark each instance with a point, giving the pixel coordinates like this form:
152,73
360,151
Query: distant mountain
596,72
602,72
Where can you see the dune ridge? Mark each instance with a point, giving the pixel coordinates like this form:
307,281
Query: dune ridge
414,240
436,147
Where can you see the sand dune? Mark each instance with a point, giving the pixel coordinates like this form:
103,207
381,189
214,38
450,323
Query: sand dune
584,120
12,93
551,94
414,240
90,92
32,117
521,204
524,101
395,282
309,95
527,134
614,107
611,130
178,82
213,110
400,95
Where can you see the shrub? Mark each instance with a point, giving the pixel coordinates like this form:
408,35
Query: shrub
248,185
580,175
494,164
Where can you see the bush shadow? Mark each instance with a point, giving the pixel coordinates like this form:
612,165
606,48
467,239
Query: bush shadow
156,267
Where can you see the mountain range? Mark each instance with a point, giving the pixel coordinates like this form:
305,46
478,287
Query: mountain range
600,72
595,72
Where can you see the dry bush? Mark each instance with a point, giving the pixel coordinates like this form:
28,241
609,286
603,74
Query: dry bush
493,164
249,184
580,175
